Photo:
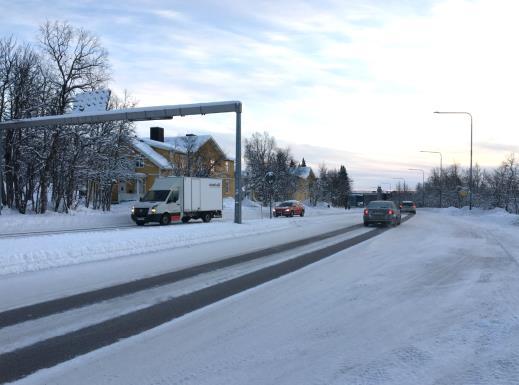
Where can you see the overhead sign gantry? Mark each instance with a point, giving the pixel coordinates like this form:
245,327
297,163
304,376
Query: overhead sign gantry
137,115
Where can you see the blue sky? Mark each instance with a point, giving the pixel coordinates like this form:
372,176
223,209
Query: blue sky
341,82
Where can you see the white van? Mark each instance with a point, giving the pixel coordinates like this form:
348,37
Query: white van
179,198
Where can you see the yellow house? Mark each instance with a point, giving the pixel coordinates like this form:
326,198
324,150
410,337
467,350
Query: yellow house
192,155
305,179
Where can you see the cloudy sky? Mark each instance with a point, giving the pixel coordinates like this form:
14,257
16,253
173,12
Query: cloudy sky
349,82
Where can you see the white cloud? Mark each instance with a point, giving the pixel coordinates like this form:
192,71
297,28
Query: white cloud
359,78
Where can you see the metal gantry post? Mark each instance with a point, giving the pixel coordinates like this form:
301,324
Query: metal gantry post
2,156
470,177
237,171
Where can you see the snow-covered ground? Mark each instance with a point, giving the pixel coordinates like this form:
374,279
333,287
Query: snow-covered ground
12,222
433,301
22,254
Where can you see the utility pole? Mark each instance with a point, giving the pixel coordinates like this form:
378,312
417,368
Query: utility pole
423,183
470,172
441,172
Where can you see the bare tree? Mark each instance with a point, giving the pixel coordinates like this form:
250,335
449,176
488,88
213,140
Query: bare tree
76,62
197,162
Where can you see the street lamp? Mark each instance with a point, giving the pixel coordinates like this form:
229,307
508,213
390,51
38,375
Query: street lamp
470,172
423,183
399,198
441,172
390,188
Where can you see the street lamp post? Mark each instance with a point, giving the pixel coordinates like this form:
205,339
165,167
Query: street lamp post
470,172
423,183
399,197
441,172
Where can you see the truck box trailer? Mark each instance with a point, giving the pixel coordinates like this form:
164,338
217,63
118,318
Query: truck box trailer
180,198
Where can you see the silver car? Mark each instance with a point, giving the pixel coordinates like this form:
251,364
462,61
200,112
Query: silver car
408,207
383,213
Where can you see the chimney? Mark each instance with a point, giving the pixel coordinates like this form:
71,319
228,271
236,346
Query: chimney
157,133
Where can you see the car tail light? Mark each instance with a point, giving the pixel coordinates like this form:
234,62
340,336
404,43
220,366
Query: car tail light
390,212
414,205
365,211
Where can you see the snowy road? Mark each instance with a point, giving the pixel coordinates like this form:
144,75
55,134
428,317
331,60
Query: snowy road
105,322
433,301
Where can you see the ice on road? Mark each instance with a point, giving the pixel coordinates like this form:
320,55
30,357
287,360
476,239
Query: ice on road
433,301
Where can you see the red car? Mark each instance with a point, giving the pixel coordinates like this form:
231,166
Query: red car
289,209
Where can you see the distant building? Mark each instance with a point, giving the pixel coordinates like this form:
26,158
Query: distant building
362,198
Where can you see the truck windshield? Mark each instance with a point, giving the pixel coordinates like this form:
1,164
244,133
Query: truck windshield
155,196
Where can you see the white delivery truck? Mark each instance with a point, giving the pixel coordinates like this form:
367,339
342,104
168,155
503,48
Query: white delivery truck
180,198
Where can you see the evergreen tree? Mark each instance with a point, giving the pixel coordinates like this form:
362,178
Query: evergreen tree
303,163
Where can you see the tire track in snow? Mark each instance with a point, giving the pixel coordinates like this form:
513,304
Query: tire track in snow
22,362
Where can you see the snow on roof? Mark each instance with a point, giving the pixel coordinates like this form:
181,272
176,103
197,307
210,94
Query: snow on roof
161,145
151,154
301,172
183,142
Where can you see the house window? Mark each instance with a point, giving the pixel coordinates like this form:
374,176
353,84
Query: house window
227,167
139,162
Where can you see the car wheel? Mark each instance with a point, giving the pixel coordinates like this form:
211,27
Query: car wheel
302,213
207,217
185,219
140,223
165,219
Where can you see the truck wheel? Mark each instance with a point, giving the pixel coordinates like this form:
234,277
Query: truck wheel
140,223
165,219
303,213
207,217
185,219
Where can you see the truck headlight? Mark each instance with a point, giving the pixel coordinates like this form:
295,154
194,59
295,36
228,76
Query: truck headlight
133,210
154,209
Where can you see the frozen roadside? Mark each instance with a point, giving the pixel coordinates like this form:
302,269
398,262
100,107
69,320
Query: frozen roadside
12,222
92,260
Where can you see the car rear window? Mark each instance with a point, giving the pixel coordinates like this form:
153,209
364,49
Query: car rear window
380,205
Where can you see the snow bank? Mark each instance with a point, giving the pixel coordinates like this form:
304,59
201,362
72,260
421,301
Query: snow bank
22,254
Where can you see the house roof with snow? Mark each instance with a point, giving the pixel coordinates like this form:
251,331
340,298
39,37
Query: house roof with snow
146,150
188,143
162,145
182,144
178,144
301,172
